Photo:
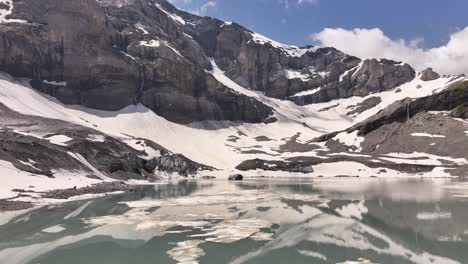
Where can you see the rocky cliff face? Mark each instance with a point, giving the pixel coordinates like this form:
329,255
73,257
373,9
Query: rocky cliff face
109,54
301,74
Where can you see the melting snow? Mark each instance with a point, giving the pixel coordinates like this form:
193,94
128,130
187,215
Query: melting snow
59,140
151,43
142,28
312,254
293,74
342,76
350,139
427,135
96,138
54,229
308,92
173,16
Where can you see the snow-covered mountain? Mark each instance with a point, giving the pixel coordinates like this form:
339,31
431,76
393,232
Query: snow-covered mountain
95,91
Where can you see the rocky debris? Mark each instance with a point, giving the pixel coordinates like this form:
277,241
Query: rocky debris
429,75
100,188
437,134
460,111
179,164
403,110
108,156
306,164
236,177
8,205
290,165
365,105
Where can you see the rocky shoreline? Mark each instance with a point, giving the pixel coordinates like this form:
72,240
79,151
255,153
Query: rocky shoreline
11,204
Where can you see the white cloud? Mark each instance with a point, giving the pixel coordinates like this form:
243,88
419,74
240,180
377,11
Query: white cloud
314,2
451,58
296,3
284,2
204,8
195,7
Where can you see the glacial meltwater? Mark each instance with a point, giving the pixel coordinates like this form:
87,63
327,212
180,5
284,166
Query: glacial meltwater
338,220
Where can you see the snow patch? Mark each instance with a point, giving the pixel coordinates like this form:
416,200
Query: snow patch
346,73
312,254
59,140
142,28
308,92
141,146
150,43
427,135
6,12
293,74
292,51
96,138
173,16
54,229
350,139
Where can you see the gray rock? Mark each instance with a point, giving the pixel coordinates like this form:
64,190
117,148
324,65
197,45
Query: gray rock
460,111
429,75
236,177
365,105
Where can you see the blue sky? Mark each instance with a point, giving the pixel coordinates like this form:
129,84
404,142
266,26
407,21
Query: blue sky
425,33
291,22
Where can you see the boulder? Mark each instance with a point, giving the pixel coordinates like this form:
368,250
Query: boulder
236,177
429,75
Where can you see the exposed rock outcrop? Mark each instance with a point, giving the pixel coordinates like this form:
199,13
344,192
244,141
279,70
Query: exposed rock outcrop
429,75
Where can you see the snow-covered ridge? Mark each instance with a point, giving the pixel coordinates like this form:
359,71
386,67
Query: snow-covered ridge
292,51
173,16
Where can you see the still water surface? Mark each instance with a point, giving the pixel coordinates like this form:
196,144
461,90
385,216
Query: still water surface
255,221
